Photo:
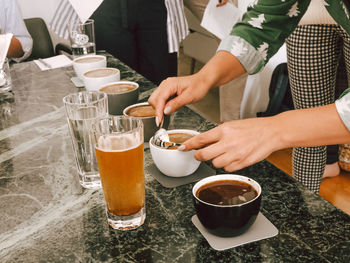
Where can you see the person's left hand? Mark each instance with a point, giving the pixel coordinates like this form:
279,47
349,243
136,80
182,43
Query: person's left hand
221,3
236,144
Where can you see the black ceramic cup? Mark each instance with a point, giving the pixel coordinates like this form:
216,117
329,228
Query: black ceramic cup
149,122
227,220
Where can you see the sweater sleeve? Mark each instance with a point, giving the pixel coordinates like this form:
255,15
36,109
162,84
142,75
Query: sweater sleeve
262,31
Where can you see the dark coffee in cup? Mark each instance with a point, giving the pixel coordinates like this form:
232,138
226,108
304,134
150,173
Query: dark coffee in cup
100,73
180,137
118,88
226,192
142,111
89,59
227,204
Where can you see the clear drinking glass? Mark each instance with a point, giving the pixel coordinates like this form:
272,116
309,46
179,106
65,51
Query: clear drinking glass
82,109
5,77
119,152
82,38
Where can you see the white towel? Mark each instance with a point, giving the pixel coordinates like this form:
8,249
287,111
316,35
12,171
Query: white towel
220,20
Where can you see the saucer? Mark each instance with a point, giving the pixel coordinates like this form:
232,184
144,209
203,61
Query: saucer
261,229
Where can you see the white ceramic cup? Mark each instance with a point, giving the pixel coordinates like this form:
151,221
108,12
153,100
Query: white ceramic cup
89,62
173,162
96,78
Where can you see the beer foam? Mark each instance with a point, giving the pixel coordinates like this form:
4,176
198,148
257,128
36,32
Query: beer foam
118,142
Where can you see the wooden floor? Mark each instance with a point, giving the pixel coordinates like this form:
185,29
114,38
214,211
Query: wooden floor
335,190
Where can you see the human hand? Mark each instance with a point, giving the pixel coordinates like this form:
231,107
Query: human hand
175,92
221,2
236,144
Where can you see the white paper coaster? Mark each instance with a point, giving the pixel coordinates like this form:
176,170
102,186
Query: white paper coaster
77,82
261,229
170,182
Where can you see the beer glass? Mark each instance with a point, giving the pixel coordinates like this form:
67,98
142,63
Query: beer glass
82,109
119,152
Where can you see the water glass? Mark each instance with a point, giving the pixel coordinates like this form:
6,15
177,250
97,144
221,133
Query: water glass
82,38
5,77
120,157
82,109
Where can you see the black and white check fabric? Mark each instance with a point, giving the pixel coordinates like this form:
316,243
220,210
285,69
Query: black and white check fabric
313,53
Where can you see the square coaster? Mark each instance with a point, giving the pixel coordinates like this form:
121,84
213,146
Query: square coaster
170,182
77,82
261,229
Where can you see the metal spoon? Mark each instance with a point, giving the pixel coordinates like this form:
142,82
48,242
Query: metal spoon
161,138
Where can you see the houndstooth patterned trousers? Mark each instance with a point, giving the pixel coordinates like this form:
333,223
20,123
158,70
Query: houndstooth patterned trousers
313,53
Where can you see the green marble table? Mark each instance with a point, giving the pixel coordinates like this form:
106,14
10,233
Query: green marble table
45,216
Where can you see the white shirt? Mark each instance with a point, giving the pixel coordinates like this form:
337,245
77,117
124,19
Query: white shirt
11,21
317,13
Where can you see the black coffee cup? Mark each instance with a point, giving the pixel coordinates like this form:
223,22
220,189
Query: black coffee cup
227,220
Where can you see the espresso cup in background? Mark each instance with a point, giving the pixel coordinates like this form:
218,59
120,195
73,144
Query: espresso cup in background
89,62
94,79
120,94
146,113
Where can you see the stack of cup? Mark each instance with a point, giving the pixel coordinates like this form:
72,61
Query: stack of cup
90,68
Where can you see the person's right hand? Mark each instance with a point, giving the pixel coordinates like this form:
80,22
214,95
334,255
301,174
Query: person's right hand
176,92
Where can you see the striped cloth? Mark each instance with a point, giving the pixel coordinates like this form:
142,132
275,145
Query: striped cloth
64,14
177,27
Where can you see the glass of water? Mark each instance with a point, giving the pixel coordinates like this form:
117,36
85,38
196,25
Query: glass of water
82,110
82,37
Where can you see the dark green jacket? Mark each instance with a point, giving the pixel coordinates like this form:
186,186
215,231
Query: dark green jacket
266,25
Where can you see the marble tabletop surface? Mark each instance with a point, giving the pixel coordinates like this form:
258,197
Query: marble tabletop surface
45,216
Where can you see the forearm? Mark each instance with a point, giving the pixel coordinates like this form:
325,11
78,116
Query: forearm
15,49
220,69
310,127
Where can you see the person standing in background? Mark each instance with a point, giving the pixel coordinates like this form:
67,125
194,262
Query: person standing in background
136,32
313,54
11,21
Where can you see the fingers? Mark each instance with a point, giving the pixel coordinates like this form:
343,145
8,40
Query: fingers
176,103
159,98
201,140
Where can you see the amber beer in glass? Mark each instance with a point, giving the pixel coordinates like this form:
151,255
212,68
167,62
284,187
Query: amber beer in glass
119,152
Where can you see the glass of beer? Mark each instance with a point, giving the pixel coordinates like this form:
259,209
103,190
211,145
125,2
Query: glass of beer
119,152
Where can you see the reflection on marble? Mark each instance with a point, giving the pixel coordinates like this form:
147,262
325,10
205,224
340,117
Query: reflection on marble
45,216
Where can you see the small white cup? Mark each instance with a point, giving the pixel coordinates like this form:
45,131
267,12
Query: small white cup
94,79
85,63
173,162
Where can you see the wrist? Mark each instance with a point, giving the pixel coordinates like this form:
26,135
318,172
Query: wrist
204,80
277,133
